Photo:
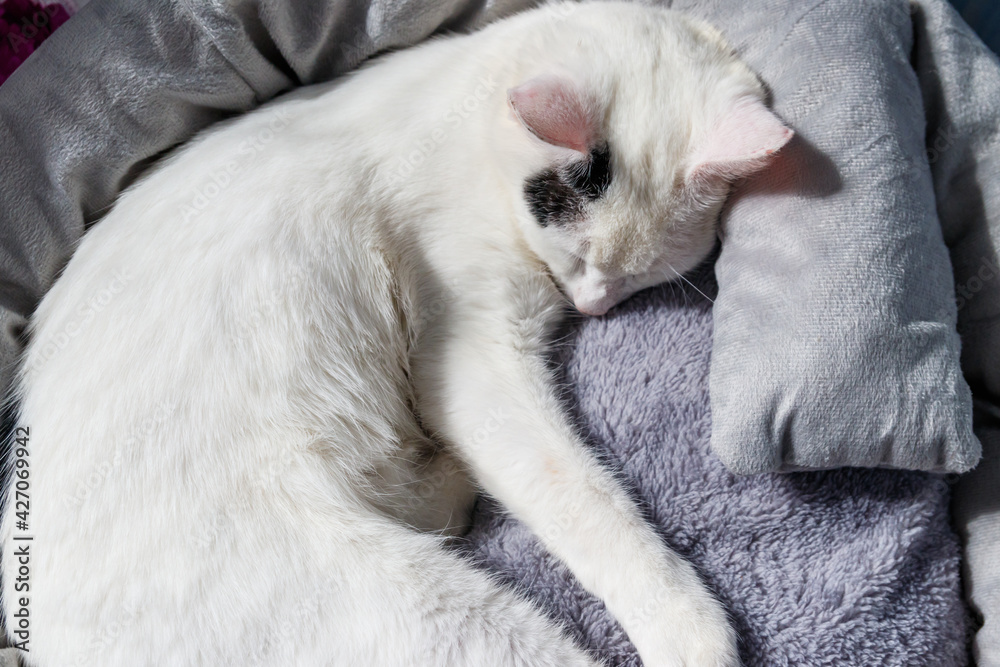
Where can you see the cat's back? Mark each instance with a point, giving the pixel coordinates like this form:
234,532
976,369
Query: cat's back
252,288
232,328
234,303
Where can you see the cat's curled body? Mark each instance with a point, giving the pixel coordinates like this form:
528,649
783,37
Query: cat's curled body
228,389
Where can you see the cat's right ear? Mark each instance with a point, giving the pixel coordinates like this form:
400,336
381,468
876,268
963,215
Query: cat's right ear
743,141
552,108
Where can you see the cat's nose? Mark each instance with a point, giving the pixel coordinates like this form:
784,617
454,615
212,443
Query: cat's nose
593,309
597,298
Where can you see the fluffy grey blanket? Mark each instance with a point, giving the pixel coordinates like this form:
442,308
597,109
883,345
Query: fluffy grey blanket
844,567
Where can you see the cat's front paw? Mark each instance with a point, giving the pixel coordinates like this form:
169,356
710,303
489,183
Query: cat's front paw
686,633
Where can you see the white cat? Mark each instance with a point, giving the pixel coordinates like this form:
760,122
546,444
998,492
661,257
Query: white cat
223,455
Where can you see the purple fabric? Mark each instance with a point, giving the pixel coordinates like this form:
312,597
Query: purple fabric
838,568
24,25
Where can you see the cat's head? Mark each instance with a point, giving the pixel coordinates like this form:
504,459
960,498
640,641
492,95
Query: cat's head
634,142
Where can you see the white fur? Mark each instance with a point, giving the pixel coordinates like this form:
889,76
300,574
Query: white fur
229,387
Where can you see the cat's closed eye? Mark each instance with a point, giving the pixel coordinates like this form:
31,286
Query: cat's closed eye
593,176
557,196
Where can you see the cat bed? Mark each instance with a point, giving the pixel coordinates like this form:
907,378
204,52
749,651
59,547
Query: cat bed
840,567
847,566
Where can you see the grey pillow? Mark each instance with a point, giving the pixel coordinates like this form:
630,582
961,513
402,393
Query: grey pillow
961,82
835,340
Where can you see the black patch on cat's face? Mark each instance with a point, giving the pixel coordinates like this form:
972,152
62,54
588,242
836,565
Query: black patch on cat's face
557,196
593,176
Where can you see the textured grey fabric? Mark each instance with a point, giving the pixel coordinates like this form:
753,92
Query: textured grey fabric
960,78
127,79
835,339
976,509
843,568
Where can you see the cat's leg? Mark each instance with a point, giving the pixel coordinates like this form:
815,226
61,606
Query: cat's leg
345,586
292,579
427,487
495,400
405,601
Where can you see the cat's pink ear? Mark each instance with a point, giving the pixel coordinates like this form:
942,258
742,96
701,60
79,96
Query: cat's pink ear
741,143
552,108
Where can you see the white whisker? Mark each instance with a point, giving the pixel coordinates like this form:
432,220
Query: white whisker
677,273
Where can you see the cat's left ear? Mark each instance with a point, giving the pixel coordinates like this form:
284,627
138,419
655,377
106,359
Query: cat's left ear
742,142
553,109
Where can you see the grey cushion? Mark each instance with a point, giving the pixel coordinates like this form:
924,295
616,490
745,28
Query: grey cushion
835,340
841,568
960,78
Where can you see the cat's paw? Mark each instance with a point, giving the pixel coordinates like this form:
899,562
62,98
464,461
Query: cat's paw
691,633
703,645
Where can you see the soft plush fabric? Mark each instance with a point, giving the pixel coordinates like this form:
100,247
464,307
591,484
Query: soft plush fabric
960,79
841,568
983,16
125,80
835,340
976,512
24,24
